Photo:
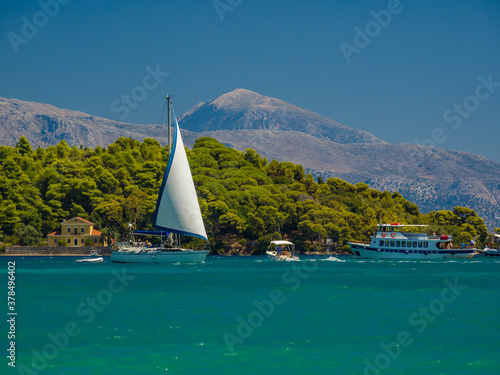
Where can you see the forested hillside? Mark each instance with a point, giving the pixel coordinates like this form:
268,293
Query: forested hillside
245,200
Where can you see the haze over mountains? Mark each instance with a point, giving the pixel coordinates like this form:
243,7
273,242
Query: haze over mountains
430,177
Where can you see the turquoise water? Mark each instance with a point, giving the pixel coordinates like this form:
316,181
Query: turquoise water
247,315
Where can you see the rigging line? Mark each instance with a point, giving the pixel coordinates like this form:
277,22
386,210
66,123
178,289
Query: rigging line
162,116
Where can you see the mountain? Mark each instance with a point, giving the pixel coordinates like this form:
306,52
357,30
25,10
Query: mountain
45,125
243,109
433,178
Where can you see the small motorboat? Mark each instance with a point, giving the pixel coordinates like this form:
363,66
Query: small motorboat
491,252
93,258
281,251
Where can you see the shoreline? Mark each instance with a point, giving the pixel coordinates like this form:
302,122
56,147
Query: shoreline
108,255
49,255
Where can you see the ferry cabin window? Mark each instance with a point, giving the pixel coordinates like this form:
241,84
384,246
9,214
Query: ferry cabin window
381,243
419,243
426,244
398,243
403,243
392,243
409,243
386,243
414,243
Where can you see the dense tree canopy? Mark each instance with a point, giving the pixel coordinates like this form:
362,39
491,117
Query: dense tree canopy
245,200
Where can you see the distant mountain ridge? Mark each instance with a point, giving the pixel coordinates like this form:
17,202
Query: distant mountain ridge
45,125
435,179
244,109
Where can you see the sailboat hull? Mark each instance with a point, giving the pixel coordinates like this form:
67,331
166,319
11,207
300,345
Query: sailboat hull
160,256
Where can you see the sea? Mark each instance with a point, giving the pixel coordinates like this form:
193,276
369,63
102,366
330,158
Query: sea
249,315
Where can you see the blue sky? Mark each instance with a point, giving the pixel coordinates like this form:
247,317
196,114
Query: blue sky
405,71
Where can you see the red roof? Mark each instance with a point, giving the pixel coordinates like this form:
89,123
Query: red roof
56,233
95,233
78,217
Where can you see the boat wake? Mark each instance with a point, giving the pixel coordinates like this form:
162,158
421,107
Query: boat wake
332,259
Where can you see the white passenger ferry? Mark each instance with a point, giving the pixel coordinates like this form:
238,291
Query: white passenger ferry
392,242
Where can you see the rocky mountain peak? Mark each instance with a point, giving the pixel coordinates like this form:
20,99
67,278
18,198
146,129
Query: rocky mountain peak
245,109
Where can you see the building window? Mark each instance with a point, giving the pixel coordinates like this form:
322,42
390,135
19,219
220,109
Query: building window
81,240
69,229
83,230
95,240
55,240
69,241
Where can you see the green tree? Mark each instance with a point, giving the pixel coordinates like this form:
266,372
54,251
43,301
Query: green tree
24,147
215,211
463,214
28,235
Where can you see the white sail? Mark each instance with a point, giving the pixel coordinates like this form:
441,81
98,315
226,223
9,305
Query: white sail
177,208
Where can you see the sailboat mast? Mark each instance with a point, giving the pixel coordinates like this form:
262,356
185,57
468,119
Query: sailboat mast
169,132
169,102
176,237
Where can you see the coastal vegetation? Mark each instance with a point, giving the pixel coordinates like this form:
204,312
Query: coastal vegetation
245,199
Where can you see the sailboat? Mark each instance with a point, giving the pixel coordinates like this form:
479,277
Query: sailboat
177,211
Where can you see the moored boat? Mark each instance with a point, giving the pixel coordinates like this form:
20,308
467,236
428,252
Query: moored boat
392,242
94,258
